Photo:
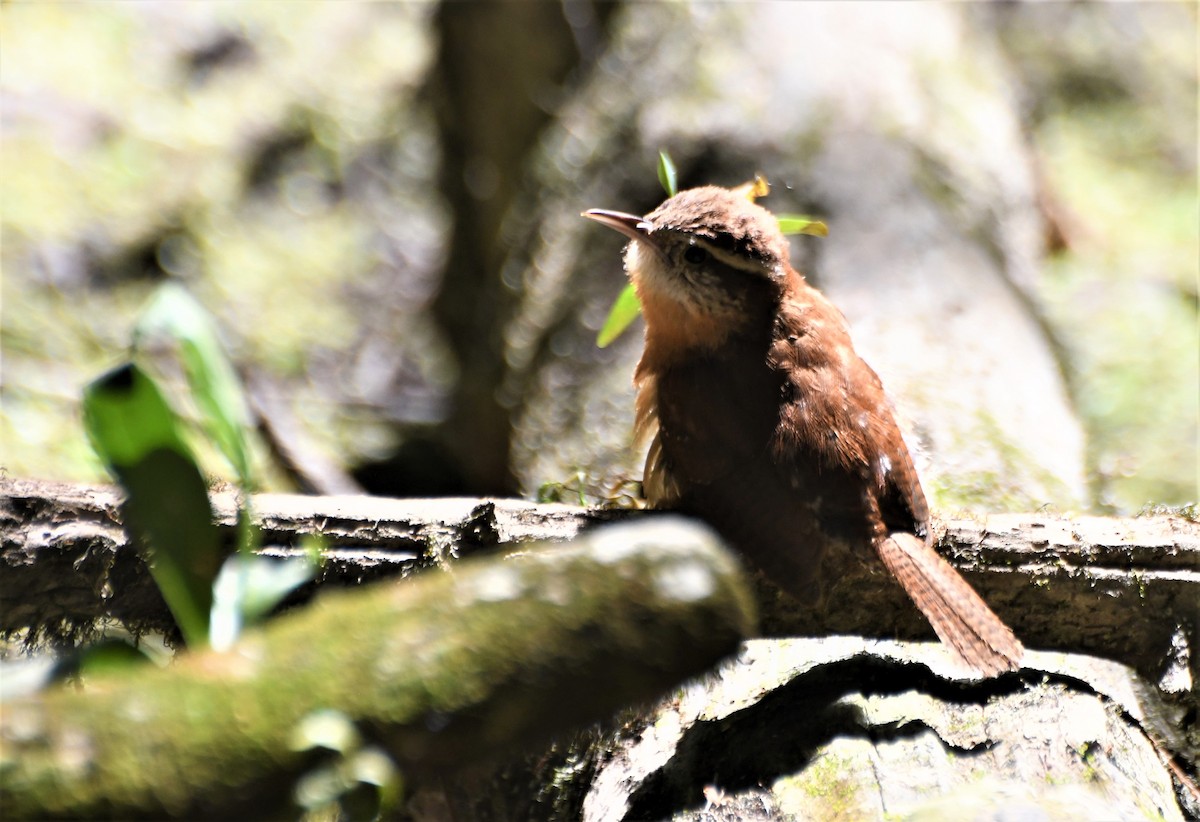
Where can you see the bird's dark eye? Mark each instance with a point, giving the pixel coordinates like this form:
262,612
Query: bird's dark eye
695,254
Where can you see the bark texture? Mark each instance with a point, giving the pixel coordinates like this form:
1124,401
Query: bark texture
1125,589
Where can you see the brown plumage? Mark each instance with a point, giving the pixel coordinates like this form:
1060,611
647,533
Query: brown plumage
763,420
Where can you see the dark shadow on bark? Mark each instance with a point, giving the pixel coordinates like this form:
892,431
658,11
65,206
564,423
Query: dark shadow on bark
781,733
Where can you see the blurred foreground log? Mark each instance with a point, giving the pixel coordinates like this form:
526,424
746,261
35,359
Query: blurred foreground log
1124,589
839,721
444,672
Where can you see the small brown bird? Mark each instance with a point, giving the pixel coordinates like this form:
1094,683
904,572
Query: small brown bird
764,421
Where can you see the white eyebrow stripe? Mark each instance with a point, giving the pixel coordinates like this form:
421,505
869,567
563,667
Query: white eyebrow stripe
738,261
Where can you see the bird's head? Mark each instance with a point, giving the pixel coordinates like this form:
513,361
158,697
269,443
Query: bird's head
706,258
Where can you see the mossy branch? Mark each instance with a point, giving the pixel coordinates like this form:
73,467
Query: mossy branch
443,671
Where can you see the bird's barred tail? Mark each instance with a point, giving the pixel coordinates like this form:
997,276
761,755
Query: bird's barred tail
959,616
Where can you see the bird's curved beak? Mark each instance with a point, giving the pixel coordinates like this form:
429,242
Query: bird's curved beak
632,226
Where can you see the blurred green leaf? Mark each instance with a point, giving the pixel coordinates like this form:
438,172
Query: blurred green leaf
623,312
318,790
108,656
175,315
372,766
666,174
137,434
246,590
357,783
126,417
574,488
25,675
799,224
326,728
167,504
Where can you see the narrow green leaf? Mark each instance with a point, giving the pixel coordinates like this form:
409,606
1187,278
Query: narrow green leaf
666,174
137,434
623,312
175,315
799,224
126,417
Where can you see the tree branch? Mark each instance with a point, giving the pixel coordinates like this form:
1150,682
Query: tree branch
443,672
1127,589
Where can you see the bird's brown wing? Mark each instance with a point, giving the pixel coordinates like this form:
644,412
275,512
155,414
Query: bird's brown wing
894,479
836,416
836,425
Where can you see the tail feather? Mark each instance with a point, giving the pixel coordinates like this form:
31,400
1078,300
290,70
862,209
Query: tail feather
961,619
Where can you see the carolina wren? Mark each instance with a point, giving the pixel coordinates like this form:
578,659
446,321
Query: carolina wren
762,419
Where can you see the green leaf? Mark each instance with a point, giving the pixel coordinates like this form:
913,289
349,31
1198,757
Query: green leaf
666,174
137,434
379,787
318,789
126,417
110,655
357,783
623,312
175,315
372,766
799,224
246,590
326,728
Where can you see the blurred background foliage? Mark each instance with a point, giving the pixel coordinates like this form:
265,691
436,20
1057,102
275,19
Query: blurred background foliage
339,184
1116,139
